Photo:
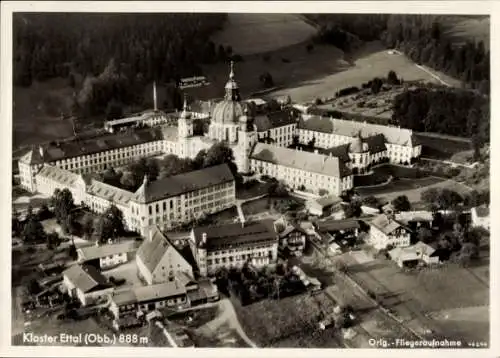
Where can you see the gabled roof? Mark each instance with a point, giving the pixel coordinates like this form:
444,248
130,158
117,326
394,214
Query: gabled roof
32,157
140,294
413,252
86,278
394,135
183,183
340,151
58,175
235,235
154,248
105,142
310,162
385,224
109,192
273,120
336,225
94,252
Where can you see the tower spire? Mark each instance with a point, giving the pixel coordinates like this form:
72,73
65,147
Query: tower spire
231,73
155,100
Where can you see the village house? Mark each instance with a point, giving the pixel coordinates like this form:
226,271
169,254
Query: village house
233,245
385,230
341,231
410,256
179,293
322,206
107,256
480,217
292,238
159,261
86,284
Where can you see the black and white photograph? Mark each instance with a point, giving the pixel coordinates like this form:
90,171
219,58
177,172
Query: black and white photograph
231,178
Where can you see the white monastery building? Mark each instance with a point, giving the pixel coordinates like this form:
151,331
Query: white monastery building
261,145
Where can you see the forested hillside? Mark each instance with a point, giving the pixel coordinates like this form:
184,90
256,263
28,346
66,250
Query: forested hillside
114,55
421,37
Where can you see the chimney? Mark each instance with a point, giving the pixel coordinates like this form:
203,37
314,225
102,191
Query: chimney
97,243
204,238
155,97
40,148
243,223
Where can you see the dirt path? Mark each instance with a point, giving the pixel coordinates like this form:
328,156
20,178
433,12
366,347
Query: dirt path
227,315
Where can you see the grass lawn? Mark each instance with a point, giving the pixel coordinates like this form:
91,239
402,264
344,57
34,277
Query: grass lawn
252,190
408,187
271,323
273,206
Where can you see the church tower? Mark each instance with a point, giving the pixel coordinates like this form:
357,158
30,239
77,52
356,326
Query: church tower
247,137
232,88
185,123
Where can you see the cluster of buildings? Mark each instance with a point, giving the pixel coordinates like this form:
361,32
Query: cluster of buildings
169,276
261,145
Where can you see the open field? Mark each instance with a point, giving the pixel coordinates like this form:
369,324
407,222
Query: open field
416,296
270,322
372,60
257,33
412,188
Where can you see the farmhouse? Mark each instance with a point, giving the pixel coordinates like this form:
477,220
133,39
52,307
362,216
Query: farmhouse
182,292
107,256
86,283
415,254
323,205
340,231
233,245
385,230
480,216
158,261
292,238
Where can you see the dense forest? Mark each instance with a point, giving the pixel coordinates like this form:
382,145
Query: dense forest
420,37
450,111
115,54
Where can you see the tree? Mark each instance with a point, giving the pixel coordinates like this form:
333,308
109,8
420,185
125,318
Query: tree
110,224
449,199
430,196
311,143
88,225
62,201
219,153
266,80
401,203
53,240
173,165
277,189
392,78
33,230
68,224
127,181
468,253
72,252
353,209
371,201
376,85
199,159
34,287
295,141
111,177
424,235
114,110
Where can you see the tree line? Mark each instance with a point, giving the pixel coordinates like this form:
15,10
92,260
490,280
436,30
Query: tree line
421,37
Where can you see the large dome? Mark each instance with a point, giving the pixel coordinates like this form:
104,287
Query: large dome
227,112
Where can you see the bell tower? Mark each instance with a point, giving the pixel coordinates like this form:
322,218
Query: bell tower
232,88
